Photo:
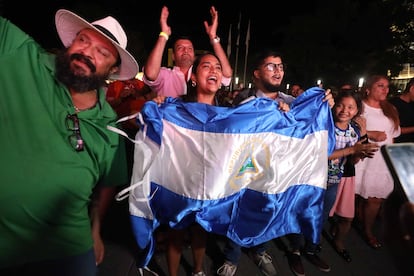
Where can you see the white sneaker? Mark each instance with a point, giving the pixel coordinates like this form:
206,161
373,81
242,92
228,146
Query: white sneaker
264,262
201,273
227,269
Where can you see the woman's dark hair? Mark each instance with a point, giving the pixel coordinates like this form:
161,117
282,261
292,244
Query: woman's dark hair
191,95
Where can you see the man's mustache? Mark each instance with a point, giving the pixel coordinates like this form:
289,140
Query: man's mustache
85,60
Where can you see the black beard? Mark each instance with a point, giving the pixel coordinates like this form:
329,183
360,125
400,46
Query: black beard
270,87
76,81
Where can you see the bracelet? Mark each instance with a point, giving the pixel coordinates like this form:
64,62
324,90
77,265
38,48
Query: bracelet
165,35
216,40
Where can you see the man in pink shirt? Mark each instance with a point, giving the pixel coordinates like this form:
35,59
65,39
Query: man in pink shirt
173,82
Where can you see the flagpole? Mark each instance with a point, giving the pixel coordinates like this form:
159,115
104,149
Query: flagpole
229,52
229,43
237,46
247,53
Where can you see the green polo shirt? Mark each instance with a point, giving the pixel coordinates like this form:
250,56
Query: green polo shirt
45,185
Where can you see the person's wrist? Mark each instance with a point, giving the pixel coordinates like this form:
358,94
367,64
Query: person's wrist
165,35
215,39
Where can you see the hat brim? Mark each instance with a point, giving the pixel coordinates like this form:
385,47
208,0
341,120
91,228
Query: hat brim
68,26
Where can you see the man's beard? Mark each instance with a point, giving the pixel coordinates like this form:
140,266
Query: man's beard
271,87
185,61
70,78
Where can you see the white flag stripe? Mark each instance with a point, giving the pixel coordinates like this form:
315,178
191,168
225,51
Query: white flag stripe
221,166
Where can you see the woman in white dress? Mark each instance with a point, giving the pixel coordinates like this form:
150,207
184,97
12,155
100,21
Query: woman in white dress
373,181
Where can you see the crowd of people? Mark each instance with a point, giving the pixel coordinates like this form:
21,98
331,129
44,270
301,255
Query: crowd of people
75,164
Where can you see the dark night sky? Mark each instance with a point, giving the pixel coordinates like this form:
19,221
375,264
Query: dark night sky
315,34
186,17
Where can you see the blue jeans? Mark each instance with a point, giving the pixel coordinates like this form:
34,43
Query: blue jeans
329,200
232,251
80,265
295,241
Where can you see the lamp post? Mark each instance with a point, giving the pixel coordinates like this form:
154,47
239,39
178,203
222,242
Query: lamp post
319,83
360,84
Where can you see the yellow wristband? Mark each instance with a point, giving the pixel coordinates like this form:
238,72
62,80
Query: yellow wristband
163,34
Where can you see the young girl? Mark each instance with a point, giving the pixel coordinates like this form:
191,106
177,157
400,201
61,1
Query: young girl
350,147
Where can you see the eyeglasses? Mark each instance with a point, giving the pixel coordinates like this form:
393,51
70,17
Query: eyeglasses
72,123
272,66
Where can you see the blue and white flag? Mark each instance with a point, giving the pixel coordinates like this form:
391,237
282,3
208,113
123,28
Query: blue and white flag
251,173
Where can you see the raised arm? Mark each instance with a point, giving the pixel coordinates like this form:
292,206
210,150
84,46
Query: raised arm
153,64
211,31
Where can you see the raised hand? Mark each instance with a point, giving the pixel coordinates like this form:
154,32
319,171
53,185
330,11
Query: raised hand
163,21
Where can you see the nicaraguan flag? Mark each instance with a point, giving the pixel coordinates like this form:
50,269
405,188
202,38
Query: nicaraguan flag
251,173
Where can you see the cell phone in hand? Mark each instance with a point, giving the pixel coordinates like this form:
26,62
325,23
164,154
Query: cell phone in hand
400,161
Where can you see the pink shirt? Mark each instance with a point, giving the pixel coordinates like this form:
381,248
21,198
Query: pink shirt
172,82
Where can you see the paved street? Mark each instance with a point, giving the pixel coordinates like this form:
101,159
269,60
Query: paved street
120,248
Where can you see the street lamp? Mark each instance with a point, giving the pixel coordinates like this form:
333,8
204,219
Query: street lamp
360,83
319,83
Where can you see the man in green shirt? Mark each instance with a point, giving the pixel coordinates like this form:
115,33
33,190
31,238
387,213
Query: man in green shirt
55,147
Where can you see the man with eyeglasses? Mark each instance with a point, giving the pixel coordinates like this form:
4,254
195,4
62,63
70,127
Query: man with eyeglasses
56,149
267,78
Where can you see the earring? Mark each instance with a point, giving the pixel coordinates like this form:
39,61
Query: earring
113,70
193,84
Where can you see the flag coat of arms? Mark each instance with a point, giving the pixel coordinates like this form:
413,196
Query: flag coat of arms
251,173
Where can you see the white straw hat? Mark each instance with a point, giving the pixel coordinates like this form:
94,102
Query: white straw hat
69,24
